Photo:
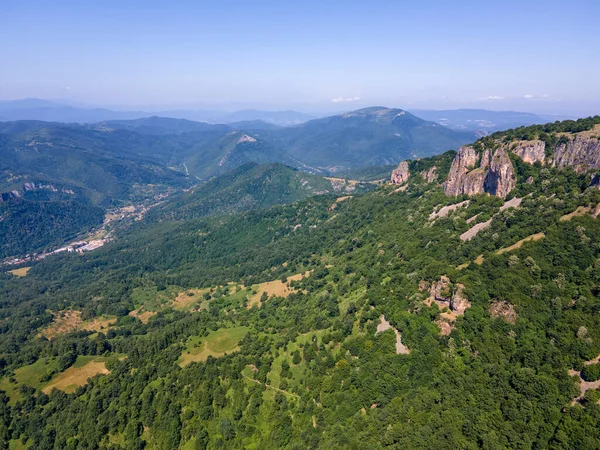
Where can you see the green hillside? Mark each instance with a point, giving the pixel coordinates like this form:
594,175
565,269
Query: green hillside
251,186
369,325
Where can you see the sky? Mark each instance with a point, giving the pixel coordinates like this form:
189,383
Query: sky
527,55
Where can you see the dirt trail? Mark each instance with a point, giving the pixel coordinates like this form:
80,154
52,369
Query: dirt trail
384,325
268,386
445,210
472,232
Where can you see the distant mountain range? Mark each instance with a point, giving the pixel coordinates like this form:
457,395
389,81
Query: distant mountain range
460,119
481,119
36,109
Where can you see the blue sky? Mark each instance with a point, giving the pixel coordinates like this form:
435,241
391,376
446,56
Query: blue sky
539,56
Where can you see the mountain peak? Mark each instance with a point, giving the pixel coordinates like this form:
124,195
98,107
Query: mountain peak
376,114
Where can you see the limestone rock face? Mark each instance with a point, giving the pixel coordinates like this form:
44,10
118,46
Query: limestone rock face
486,159
531,151
500,178
459,303
7,196
495,174
581,154
430,175
463,178
401,173
31,186
440,290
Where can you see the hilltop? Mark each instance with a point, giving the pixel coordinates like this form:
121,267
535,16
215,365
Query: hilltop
366,137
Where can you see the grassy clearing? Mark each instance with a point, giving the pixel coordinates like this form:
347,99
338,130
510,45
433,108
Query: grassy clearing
36,374
152,299
276,287
70,320
78,374
189,300
353,297
21,272
519,244
143,315
295,380
16,444
30,375
217,343
580,211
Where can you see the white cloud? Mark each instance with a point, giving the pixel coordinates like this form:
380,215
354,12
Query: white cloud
494,97
345,99
531,96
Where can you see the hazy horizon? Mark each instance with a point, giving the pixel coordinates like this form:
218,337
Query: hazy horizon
311,57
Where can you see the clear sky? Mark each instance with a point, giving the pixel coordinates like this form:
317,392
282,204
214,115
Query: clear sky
540,56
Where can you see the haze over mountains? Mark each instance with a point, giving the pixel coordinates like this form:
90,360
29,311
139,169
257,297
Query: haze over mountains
51,111
55,111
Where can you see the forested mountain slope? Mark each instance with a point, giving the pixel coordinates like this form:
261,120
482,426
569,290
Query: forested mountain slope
252,186
366,137
57,180
377,323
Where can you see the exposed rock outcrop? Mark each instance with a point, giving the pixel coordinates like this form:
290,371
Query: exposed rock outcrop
7,196
504,310
459,303
463,177
531,151
401,173
440,290
495,174
492,171
445,210
445,294
500,178
430,175
31,186
580,153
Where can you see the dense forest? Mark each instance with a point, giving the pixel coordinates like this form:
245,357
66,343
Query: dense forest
362,323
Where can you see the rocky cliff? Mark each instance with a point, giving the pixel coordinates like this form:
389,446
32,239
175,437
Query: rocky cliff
530,151
464,176
500,178
430,175
493,172
401,173
581,153
473,174
7,196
